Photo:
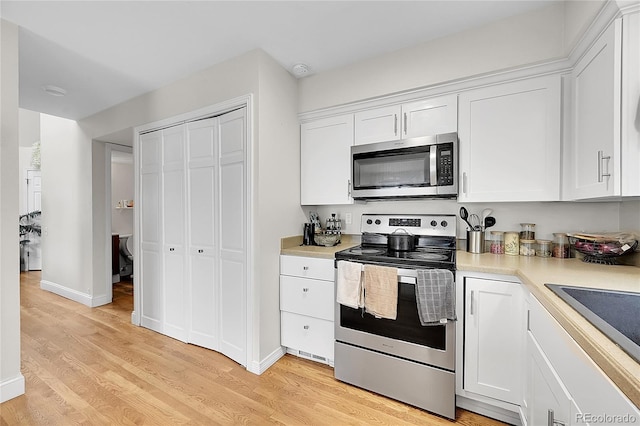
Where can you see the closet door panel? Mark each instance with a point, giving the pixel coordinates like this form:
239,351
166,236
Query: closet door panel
232,309
203,330
151,291
201,206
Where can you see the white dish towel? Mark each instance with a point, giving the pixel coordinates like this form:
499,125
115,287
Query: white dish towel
349,284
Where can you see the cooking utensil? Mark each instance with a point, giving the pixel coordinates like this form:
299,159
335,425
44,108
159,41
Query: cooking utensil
489,221
464,215
485,214
476,225
401,240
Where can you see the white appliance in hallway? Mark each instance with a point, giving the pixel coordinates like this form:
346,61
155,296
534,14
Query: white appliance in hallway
34,203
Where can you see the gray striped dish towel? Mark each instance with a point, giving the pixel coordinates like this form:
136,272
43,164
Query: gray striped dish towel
436,296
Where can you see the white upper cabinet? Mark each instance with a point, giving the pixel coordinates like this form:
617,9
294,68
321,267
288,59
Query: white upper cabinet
510,141
595,127
420,118
630,172
325,161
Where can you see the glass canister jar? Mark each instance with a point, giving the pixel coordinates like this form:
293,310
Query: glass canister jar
497,242
527,247
544,248
527,231
511,243
560,245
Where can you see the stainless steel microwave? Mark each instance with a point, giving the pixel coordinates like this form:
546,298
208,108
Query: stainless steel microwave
409,168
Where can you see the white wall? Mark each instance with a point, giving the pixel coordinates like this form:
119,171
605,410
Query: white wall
525,39
277,178
67,264
11,380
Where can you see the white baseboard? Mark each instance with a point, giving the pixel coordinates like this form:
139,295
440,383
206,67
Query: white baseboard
76,296
262,366
488,410
11,388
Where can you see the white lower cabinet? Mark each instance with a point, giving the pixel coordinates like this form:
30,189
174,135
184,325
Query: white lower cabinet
563,385
493,338
307,307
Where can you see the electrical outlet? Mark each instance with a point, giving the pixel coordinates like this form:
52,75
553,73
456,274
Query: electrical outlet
347,218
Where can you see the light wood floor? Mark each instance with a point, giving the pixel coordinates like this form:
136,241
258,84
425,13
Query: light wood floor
91,366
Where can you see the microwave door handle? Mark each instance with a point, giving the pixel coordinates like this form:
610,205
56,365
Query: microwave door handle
433,171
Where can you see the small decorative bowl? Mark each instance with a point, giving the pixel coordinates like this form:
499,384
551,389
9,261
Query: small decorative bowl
327,240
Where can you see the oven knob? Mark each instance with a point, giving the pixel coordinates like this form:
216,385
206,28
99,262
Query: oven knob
444,223
378,222
434,223
369,221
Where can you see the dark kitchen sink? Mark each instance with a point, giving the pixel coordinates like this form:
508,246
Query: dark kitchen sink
615,313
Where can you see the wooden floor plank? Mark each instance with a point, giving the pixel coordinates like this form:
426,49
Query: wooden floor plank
92,366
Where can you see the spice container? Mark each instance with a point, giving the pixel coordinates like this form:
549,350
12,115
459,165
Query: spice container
527,247
560,245
511,243
497,242
544,248
527,231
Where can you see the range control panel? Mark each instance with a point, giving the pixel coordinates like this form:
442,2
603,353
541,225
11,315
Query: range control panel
435,225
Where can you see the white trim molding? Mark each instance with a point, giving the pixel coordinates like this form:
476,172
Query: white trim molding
76,296
12,388
259,367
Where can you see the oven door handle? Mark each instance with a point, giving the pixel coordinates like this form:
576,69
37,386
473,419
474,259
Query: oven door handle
407,280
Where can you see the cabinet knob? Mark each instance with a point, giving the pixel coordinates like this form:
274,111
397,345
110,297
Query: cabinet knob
200,251
171,249
304,290
306,327
305,268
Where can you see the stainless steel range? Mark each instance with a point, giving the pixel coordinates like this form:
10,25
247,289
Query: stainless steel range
400,358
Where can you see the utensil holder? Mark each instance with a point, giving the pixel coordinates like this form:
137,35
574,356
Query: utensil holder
475,241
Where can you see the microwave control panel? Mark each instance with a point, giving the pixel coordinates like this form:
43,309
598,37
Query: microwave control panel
445,164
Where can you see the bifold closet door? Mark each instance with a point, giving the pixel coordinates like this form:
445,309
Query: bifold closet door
233,225
202,227
174,224
150,230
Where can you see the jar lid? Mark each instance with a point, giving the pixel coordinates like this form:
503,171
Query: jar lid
544,241
496,232
527,241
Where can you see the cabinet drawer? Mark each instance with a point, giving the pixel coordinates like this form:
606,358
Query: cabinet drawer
305,296
307,334
307,267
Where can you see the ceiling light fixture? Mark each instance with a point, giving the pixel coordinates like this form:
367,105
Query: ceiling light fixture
54,90
301,70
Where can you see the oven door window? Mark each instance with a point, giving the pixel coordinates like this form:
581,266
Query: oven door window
405,327
395,168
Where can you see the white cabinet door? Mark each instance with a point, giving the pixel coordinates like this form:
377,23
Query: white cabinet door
173,229
311,335
630,170
510,141
378,125
494,330
202,181
233,224
548,399
307,267
325,161
430,117
149,263
413,119
595,139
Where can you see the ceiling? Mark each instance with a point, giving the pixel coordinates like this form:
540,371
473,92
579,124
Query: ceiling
106,52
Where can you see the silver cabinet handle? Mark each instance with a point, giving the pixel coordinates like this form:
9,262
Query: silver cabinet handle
551,421
349,187
395,124
601,158
471,304
405,123
464,182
